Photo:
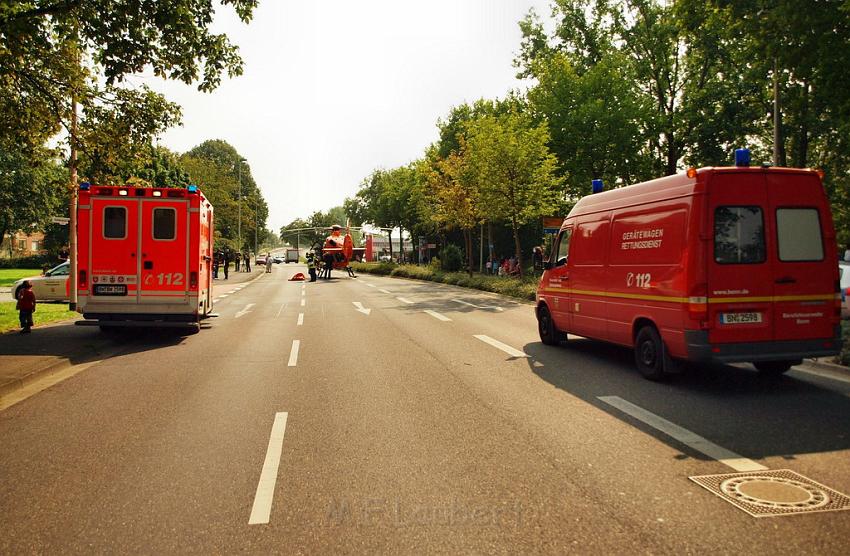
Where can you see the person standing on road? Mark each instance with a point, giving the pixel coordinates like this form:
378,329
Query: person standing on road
311,266
225,258
237,258
248,261
268,262
26,307
216,262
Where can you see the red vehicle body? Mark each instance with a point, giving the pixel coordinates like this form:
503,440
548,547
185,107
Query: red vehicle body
144,256
720,264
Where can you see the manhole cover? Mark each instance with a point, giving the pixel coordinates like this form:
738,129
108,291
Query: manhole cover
774,493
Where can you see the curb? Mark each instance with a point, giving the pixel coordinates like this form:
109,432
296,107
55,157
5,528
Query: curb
819,365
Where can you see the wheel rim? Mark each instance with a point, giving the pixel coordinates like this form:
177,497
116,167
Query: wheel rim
647,354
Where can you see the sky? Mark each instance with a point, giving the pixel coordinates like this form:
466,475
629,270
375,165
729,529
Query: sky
333,89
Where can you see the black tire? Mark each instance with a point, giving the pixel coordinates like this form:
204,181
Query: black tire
649,353
549,334
774,368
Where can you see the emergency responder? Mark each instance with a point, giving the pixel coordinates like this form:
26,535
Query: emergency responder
311,266
329,264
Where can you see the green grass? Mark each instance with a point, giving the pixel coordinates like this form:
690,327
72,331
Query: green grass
44,313
524,289
9,276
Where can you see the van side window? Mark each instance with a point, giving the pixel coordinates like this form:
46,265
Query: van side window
798,234
164,223
739,235
114,222
563,247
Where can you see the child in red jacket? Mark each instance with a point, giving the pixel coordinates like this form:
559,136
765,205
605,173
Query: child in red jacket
26,306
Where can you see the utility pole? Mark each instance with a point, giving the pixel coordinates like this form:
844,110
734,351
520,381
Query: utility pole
72,208
239,205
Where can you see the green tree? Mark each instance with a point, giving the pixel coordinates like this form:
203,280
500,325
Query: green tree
514,169
31,191
225,178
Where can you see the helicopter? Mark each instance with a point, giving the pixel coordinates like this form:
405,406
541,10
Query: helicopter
337,247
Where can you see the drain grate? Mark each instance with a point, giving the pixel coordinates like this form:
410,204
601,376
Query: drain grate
774,493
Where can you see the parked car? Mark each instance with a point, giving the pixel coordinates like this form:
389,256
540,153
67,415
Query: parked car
260,260
844,281
50,286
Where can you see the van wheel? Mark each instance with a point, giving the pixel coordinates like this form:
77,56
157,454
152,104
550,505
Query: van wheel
549,335
649,353
774,368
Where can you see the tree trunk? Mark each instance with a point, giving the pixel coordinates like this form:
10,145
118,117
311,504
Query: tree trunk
467,240
779,158
390,235
400,244
803,139
517,246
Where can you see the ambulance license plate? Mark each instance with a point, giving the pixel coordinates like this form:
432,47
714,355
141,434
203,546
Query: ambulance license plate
110,289
739,318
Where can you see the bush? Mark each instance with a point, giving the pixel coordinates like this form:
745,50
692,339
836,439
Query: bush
511,287
451,257
844,357
35,261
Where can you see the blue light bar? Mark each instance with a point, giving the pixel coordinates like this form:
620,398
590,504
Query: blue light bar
85,186
742,157
597,186
192,189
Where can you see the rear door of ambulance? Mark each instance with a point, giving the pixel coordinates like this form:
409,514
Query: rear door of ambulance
740,273
804,269
113,246
164,250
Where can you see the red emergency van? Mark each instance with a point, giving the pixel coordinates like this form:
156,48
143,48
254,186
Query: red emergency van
144,256
730,264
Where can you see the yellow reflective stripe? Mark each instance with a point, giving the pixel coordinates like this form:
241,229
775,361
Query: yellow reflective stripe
673,299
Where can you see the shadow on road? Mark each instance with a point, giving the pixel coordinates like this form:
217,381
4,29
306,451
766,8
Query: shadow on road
733,406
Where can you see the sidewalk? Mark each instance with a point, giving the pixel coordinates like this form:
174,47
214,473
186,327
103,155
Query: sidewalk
54,347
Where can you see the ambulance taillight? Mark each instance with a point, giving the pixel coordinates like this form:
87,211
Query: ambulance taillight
698,305
83,279
193,280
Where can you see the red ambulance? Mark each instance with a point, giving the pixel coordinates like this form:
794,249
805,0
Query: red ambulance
728,265
144,256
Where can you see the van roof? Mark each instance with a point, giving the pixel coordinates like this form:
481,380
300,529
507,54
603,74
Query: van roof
677,185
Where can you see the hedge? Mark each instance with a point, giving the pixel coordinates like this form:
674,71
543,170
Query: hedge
512,287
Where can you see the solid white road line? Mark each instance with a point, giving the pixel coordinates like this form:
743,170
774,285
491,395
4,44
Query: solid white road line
293,355
437,315
504,347
244,311
386,292
303,293
268,477
405,300
303,302
300,319
224,295
686,437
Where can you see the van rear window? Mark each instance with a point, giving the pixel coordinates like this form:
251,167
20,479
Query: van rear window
798,234
164,223
739,235
114,222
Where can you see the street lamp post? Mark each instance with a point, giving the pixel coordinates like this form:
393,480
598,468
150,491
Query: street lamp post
239,206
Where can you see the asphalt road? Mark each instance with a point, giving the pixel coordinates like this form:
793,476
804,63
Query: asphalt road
383,415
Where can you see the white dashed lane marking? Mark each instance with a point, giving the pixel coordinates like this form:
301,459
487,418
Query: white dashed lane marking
293,354
264,496
300,319
686,437
405,300
244,311
386,292
437,315
504,347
